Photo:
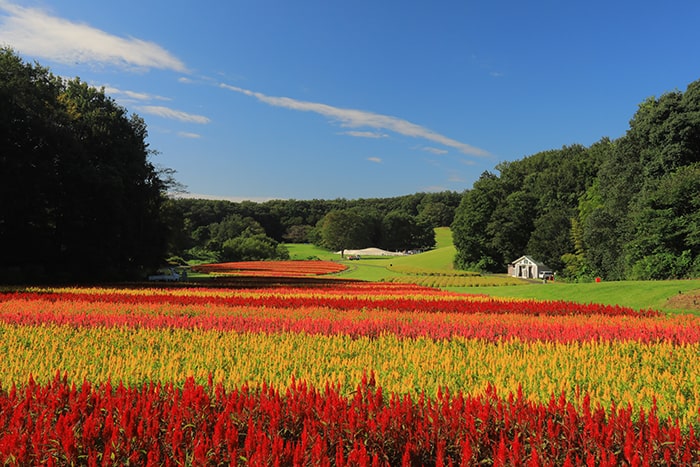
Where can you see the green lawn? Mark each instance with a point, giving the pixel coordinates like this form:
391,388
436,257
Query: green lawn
634,294
308,251
376,268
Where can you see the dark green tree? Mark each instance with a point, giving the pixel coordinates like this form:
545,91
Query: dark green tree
551,238
666,237
253,247
511,224
86,200
347,229
298,233
474,245
637,230
231,226
436,213
401,231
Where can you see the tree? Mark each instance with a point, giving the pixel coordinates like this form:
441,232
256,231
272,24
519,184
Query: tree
511,224
232,226
401,231
297,233
86,198
469,230
346,229
436,213
253,247
666,227
637,230
575,266
551,238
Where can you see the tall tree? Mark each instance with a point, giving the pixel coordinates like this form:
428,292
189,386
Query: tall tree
511,223
474,245
635,231
85,197
346,229
401,231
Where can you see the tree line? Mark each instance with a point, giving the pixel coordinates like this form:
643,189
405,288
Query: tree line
218,230
620,209
80,197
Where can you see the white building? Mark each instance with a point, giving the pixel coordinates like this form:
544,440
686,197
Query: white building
527,268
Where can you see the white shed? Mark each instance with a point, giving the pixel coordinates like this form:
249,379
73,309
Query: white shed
527,268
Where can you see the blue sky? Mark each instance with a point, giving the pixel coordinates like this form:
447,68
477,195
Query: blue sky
259,99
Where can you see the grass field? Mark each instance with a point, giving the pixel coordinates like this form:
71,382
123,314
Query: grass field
434,268
658,295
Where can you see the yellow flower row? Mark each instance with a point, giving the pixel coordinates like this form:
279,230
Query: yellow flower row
620,372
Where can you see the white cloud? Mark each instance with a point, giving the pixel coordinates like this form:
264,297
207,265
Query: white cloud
172,114
35,32
377,160
186,134
365,134
353,118
435,150
139,96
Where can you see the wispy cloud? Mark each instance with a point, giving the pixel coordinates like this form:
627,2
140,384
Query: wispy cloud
139,96
376,160
455,177
365,134
435,150
187,134
354,118
172,114
35,32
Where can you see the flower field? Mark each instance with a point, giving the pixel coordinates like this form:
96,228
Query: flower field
341,373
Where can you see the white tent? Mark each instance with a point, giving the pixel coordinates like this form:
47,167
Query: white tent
371,252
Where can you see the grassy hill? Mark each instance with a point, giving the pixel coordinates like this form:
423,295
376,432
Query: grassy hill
434,268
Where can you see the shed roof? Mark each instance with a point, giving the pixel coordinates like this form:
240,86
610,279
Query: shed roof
531,260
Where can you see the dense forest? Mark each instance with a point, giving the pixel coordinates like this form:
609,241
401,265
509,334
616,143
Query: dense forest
80,198
620,209
211,230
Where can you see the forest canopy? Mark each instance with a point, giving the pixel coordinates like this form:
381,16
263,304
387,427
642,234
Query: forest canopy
619,209
81,199
398,223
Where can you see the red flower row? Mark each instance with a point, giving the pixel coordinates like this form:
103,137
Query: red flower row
59,424
271,298
355,323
